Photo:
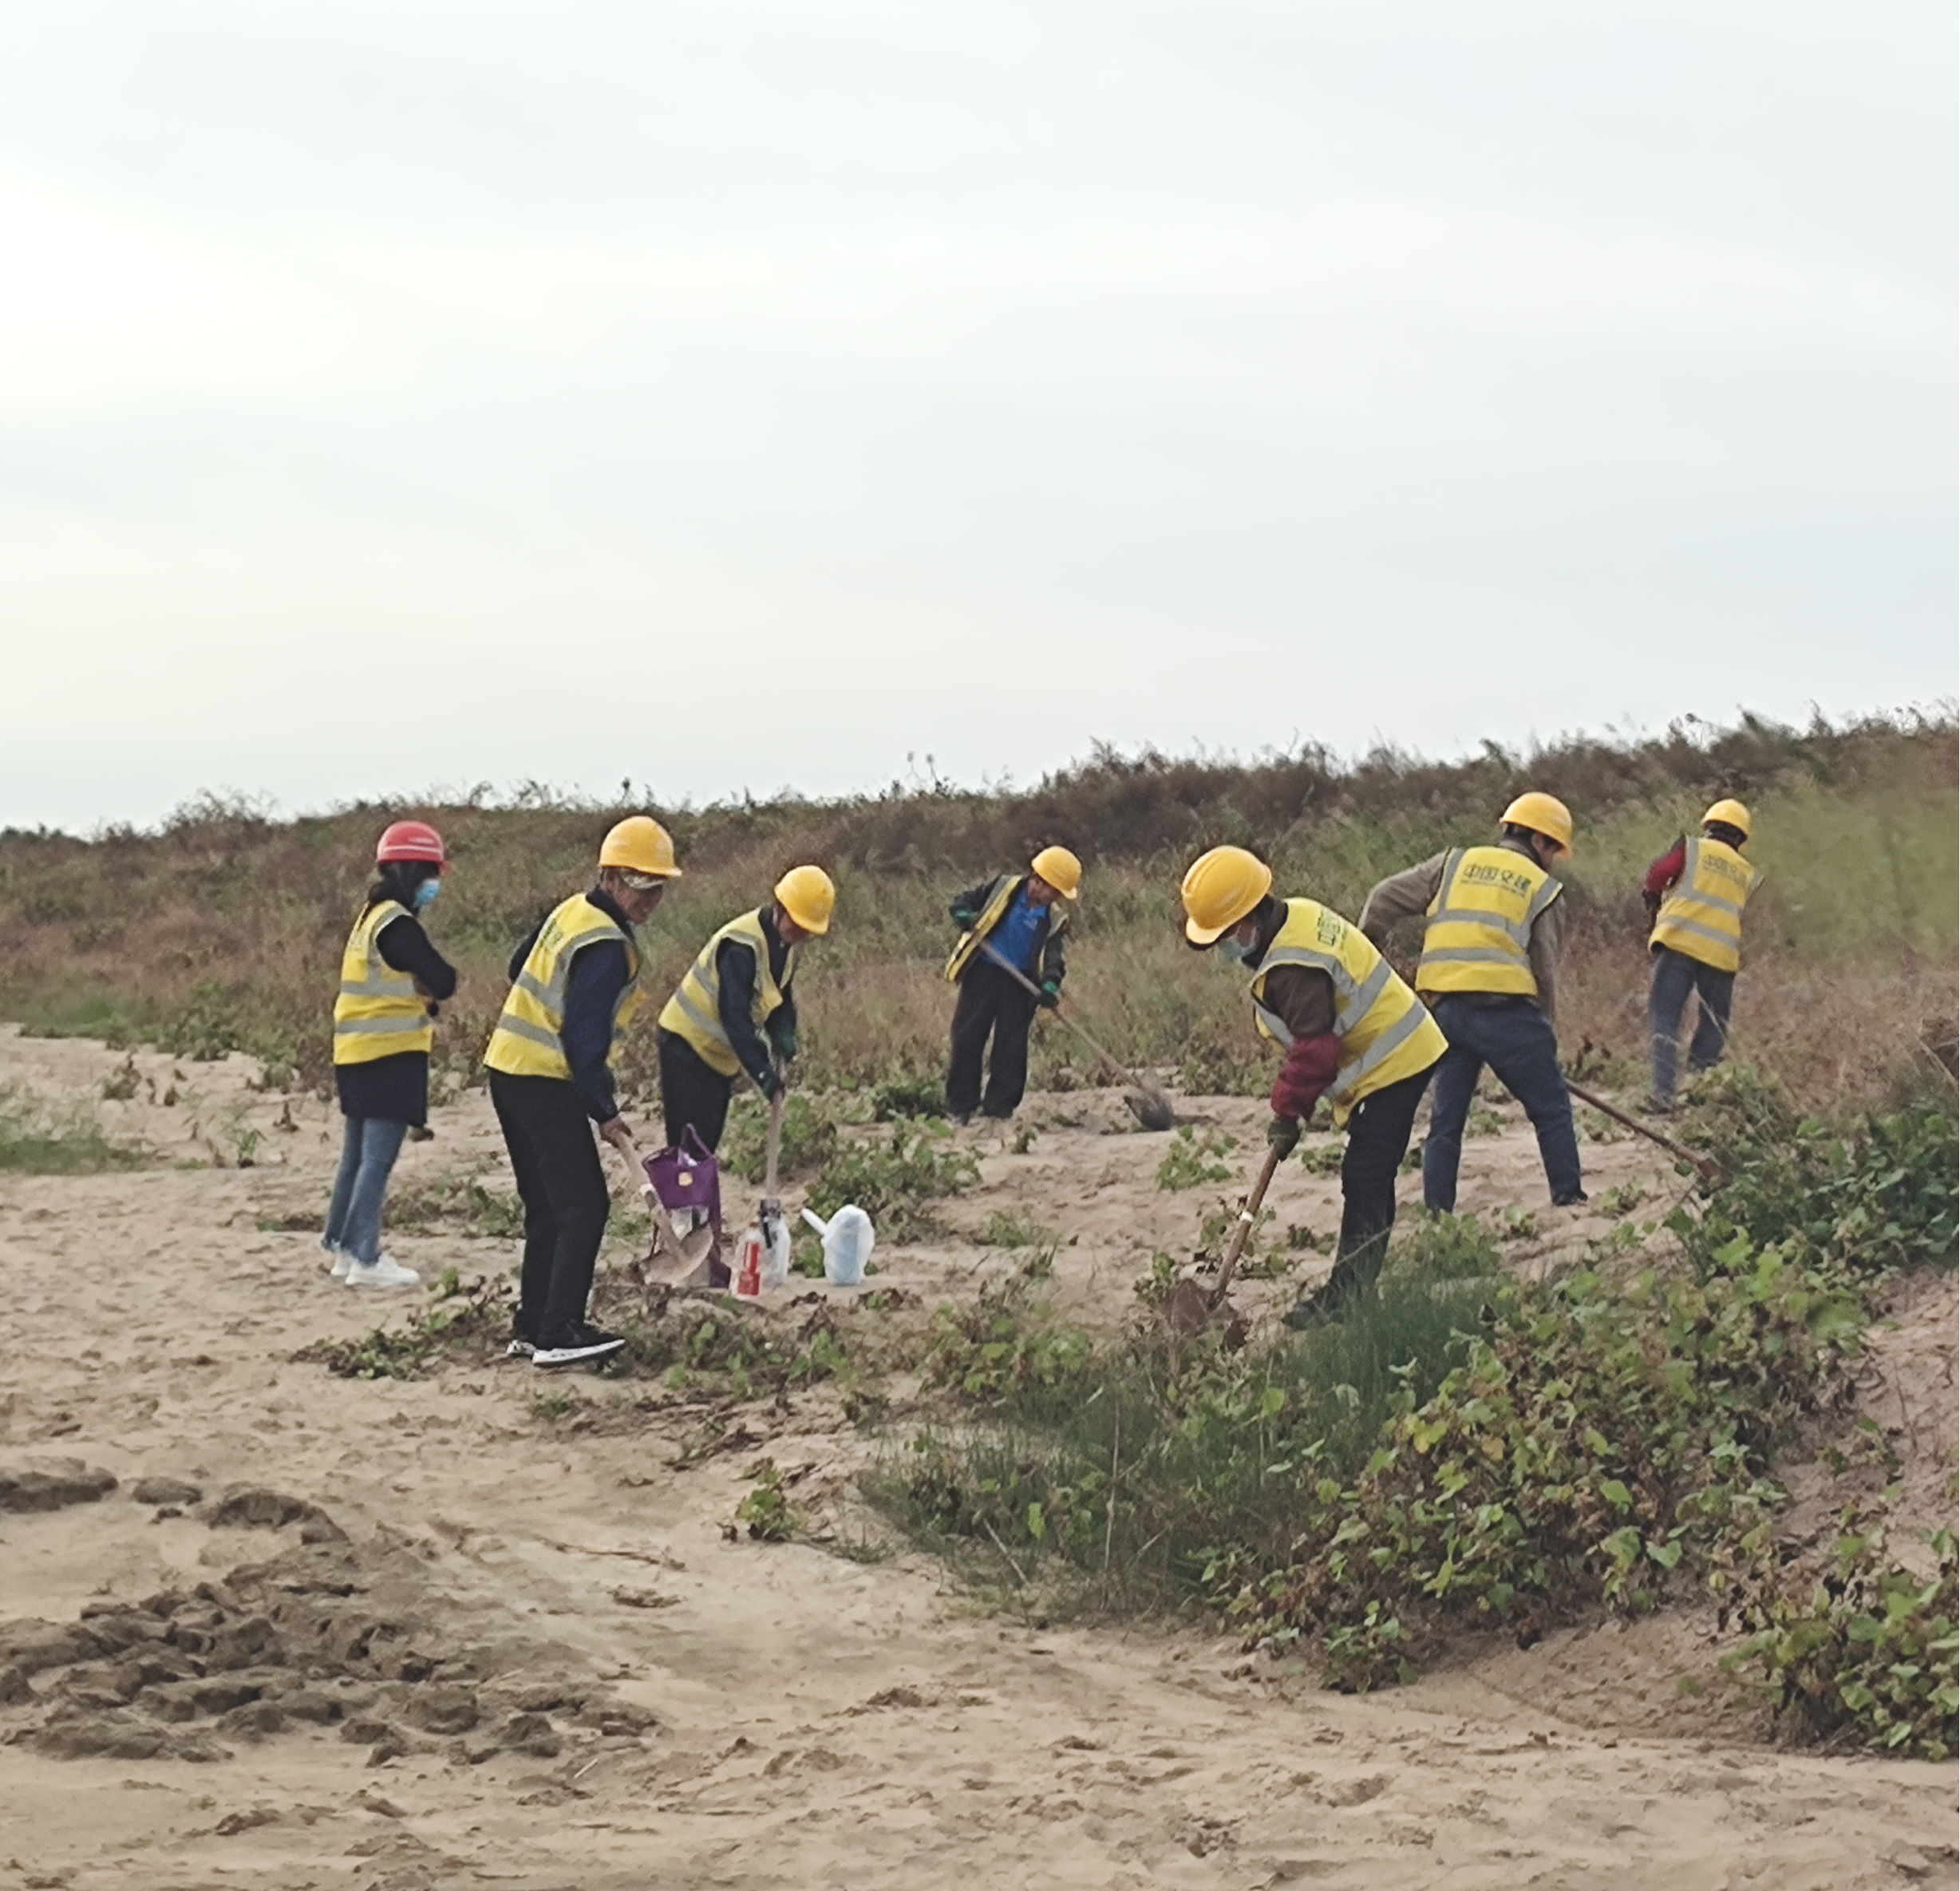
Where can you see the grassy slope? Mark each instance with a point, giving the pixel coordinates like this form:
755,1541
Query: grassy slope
223,930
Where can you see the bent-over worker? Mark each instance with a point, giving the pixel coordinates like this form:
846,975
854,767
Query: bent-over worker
735,1011
1695,893
1351,1030
392,980
1490,968
1021,917
575,987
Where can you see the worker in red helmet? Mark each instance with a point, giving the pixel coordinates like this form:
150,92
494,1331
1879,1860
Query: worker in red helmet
392,980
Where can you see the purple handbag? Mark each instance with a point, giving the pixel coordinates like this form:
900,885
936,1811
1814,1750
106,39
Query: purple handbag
687,1177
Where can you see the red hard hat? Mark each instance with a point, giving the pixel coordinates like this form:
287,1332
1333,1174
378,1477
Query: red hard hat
410,840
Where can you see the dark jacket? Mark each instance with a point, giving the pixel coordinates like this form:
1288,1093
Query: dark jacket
735,970
968,907
396,1088
599,975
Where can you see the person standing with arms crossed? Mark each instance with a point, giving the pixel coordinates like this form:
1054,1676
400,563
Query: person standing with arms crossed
391,982
575,988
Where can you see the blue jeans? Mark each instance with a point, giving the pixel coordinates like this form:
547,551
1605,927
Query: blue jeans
367,1157
1675,976
1513,1036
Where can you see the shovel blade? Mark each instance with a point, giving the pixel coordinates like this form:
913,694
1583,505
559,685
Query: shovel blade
1151,1107
1189,1308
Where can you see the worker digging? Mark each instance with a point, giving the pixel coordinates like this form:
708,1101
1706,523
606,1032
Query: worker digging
1695,894
392,982
1007,963
1351,1030
574,989
734,1011
1490,943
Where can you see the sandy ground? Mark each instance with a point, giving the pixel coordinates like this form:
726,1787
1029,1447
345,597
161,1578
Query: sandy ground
632,1699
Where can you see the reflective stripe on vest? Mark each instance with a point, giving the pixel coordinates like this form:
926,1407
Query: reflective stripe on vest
993,910
1702,913
379,1013
694,1011
1478,935
528,1040
1385,1031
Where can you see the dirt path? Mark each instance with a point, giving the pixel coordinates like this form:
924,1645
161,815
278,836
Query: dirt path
666,1707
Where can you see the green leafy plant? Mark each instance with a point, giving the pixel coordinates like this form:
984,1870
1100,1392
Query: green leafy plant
459,1318
1192,1160
458,1205
1015,1228
1323,1158
895,1179
907,1097
767,1512
1870,1648
809,1138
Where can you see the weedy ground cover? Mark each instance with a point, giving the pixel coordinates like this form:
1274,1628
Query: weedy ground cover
38,1140
1468,1451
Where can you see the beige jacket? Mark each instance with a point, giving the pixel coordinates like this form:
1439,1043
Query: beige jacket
1407,896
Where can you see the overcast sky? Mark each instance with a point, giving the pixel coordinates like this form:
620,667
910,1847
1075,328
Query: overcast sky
729,395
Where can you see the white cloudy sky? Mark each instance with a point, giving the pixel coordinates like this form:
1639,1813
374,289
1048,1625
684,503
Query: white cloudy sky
726,394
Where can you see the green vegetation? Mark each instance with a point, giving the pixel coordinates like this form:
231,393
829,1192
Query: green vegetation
117,936
895,1178
456,1319
766,1511
1192,1160
1468,1451
458,1205
1006,1228
35,1140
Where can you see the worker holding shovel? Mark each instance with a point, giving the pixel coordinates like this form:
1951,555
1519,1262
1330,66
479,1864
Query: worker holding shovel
1695,894
735,1011
575,987
1492,932
1352,1031
1007,964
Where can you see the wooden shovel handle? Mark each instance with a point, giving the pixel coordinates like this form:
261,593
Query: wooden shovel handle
775,1147
1241,1229
1710,1169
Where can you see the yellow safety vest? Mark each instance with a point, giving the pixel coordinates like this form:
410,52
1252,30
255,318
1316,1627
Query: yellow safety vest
694,1011
1702,913
1000,897
1479,937
379,1013
1385,1031
529,1040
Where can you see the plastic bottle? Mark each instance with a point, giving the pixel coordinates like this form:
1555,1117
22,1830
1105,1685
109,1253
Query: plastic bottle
747,1284
776,1256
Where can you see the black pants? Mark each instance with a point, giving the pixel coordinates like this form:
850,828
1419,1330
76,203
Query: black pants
989,1002
555,1160
691,1093
1377,1139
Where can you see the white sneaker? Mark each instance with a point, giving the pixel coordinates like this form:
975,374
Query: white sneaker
339,1261
387,1272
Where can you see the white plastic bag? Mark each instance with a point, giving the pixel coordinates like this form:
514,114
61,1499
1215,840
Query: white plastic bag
848,1238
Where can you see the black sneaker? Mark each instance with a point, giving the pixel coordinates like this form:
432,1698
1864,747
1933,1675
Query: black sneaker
522,1345
1573,1201
569,1345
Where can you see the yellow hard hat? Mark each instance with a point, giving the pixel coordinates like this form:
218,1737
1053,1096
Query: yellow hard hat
1732,813
1221,888
641,845
809,896
1061,870
1543,814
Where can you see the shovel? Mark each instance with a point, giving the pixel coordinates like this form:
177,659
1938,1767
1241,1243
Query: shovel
1709,1170
672,1258
1191,1306
1146,1103
769,1215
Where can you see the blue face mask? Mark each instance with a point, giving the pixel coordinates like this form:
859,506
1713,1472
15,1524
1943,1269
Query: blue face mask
1230,949
426,894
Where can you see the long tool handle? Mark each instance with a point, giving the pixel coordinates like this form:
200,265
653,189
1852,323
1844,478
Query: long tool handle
1711,1170
1241,1229
774,1147
1021,978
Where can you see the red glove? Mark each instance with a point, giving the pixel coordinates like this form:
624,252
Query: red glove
1310,1065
